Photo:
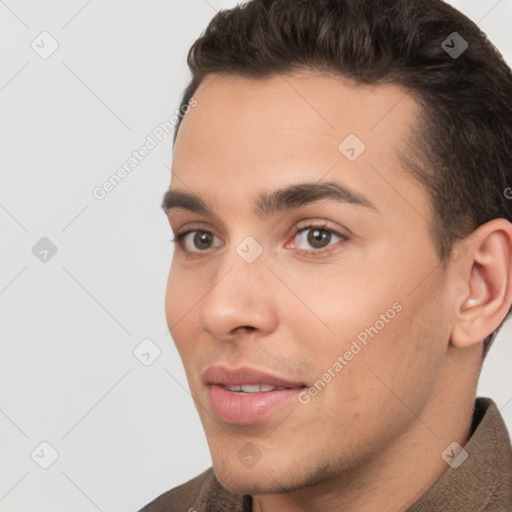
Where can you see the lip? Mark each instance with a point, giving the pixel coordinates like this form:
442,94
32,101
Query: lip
218,374
243,409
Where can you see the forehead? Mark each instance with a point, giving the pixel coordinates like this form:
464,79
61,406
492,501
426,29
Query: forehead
306,101
244,134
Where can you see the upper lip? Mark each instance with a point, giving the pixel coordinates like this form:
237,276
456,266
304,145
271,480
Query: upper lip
245,375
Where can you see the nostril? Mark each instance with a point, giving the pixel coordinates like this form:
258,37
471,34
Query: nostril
246,328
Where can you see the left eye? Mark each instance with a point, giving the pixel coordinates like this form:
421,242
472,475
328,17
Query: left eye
317,237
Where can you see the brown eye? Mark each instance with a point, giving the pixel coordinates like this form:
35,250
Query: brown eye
195,240
317,239
202,239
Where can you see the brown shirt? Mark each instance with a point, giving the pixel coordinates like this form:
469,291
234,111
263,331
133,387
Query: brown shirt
483,482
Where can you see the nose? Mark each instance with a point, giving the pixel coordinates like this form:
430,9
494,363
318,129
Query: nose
241,298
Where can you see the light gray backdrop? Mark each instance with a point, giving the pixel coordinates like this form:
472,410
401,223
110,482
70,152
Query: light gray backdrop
82,279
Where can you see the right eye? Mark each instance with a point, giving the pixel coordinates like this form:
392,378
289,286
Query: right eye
200,240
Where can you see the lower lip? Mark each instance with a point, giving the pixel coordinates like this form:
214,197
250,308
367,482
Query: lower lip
243,409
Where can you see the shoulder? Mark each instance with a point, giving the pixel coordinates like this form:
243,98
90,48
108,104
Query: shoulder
204,492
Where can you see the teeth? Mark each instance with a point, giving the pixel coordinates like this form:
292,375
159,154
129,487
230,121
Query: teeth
251,388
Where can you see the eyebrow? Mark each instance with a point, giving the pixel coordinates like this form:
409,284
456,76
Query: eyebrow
270,202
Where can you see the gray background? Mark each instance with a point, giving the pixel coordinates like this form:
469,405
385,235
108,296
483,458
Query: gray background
124,432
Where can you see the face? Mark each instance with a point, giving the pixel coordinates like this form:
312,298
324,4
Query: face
326,305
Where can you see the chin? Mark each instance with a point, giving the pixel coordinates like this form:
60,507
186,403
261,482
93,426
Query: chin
249,482
272,476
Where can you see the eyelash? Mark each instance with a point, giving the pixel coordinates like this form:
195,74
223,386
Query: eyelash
179,239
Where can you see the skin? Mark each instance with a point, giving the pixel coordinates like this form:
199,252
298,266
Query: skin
372,438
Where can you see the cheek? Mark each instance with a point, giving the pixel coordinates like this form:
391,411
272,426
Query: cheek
172,307
338,305
179,299
384,320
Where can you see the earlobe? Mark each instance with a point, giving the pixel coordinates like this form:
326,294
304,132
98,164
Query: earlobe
469,325
487,272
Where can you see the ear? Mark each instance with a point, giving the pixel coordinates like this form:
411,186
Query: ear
485,275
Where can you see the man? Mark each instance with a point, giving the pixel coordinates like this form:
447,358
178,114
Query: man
343,258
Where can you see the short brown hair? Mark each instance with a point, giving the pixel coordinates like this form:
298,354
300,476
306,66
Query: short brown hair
463,138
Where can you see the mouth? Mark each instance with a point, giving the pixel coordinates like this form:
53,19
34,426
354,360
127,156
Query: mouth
244,389
246,395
